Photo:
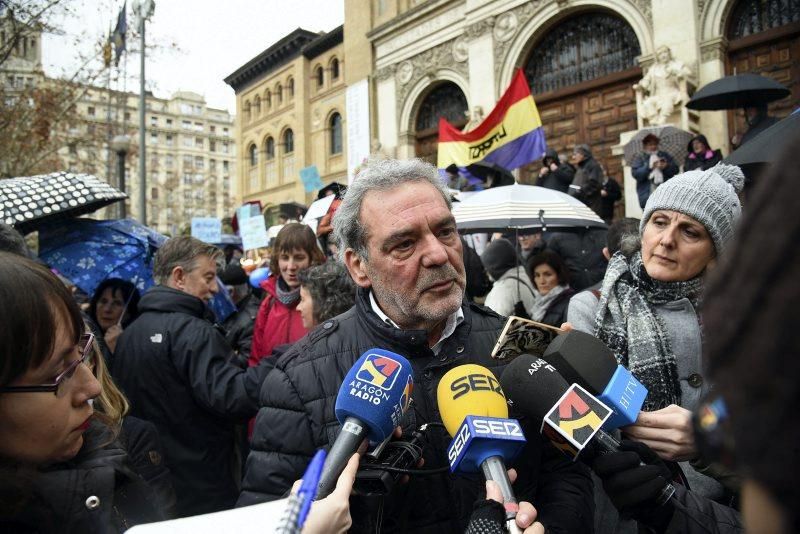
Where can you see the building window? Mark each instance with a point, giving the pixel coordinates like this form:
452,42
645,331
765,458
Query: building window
187,141
90,111
225,147
187,162
154,121
755,16
288,141
212,145
269,148
279,93
334,69
225,167
290,88
198,127
257,106
154,193
199,162
169,161
169,123
153,138
212,165
253,151
225,132
186,125
319,74
336,133
268,98
169,140
198,142
247,111
127,115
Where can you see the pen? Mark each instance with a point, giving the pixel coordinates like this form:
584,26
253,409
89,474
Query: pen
308,489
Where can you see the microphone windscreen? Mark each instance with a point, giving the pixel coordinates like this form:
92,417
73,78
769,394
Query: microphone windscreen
376,391
582,359
532,385
469,390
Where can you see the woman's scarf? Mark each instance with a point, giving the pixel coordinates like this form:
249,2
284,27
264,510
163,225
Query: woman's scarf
627,323
542,302
285,294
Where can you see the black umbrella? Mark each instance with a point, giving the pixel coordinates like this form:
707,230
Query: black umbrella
738,91
491,173
28,202
765,148
337,188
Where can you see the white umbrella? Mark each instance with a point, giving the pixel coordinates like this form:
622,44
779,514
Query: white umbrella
522,206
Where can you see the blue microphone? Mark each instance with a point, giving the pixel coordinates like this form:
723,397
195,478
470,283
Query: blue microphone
585,360
372,399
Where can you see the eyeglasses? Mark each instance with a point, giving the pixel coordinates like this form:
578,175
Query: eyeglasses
85,345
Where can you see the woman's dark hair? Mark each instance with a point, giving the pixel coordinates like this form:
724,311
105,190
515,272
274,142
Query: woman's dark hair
33,302
752,335
554,261
295,236
331,289
126,289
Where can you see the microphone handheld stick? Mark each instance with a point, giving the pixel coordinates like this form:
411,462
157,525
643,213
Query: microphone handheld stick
475,413
572,418
372,399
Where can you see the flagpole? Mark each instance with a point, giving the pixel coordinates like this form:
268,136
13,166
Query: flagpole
142,149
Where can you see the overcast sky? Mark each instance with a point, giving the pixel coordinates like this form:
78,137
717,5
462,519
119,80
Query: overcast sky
213,38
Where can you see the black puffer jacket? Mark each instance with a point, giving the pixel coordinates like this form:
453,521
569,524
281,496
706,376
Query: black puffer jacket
558,179
172,363
297,417
239,328
582,251
96,492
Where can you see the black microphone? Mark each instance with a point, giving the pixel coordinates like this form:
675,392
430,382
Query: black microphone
373,397
571,416
585,360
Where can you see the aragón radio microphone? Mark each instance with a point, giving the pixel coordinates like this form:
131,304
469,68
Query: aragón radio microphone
571,417
585,360
373,397
475,413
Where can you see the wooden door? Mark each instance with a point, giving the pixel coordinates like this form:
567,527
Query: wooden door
774,53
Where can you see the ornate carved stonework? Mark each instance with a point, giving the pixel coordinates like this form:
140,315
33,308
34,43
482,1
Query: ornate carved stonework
425,65
662,90
404,72
460,49
385,73
713,49
646,9
505,26
479,28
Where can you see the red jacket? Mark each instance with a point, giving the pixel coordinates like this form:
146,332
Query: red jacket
276,324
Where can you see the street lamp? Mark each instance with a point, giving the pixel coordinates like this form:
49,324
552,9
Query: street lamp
121,144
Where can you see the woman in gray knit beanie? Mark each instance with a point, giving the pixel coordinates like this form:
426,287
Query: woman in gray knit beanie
647,312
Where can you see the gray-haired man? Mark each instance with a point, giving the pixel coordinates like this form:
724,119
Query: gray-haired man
399,241
172,363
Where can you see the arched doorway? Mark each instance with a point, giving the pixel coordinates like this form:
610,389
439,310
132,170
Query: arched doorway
444,100
764,38
580,73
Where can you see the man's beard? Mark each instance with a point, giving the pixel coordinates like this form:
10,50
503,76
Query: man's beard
414,314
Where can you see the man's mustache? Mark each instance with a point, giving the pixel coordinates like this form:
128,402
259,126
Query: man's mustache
431,277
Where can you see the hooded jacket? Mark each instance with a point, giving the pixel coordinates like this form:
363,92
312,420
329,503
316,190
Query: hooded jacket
589,177
297,417
276,323
704,160
558,179
172,364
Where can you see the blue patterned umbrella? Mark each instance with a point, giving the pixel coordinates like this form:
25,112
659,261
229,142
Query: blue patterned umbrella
87,252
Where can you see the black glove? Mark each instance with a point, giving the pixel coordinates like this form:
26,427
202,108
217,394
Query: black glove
634,488
488,517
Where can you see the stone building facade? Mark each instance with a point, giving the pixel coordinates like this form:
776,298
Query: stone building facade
291,107
191,153
582,58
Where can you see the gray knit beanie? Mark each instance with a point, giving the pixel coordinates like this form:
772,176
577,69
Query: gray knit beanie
710,197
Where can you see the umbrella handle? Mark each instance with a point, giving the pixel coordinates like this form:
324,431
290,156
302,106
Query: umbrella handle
541,220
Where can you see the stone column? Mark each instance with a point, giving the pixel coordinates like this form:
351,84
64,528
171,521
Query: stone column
481,67
714,124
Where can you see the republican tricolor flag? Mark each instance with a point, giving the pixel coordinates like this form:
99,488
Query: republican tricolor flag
511,136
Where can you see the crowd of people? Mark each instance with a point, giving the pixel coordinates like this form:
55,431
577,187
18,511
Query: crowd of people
138,408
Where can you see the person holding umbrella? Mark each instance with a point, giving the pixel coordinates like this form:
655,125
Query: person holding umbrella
651,168
757,121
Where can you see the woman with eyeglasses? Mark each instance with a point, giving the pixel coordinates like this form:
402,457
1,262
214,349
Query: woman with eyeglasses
61,468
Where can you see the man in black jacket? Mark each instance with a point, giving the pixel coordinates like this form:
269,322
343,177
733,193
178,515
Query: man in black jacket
172,364
554,174
400,245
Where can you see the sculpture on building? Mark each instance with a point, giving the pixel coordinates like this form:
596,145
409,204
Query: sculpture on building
475,118
662,89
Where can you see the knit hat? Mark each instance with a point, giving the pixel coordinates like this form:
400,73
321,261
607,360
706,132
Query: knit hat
710,197
498,257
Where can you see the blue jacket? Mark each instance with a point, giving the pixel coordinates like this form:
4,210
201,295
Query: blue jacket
640,168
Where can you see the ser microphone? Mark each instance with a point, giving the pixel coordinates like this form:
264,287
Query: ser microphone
372,399
475,413
585,360
572,418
